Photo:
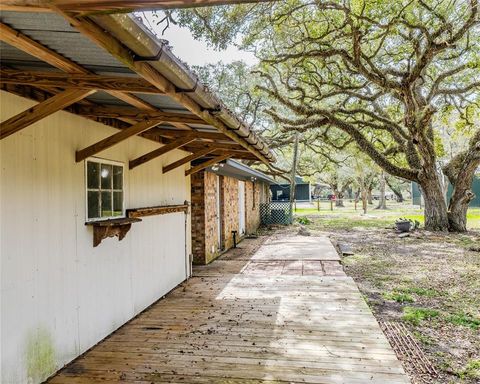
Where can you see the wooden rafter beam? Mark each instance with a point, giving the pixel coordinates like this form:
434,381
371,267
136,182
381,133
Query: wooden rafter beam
187,159
161,151
39,95
79,81
110,6
115,139
182,133
33,48
207,163
225,146
24,43
42,110
212,139
136,114
120,51
151,75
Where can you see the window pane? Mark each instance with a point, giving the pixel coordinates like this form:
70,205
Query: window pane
107,204
117,177
117,203
93,172
93,204
106,178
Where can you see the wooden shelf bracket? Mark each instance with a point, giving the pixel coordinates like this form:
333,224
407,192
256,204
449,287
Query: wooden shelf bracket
110,228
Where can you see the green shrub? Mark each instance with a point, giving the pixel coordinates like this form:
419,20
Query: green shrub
425,339
421,291
465,320
471,370
399,297
304,220
416,315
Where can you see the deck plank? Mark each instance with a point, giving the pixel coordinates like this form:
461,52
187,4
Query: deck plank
279,317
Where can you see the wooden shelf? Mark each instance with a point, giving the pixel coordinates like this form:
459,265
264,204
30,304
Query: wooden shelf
157,210
111,227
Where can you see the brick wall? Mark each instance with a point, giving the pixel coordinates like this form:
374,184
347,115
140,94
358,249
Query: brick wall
204,213
229,190
198,217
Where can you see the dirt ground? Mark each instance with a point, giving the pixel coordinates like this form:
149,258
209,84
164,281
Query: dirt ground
430,282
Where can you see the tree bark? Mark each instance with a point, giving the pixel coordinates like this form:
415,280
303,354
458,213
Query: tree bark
457,209
460,171
436,218
399,195
382,204
364,200
396,191
369,196
339,198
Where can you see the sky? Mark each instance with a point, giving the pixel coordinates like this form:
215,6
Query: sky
196,52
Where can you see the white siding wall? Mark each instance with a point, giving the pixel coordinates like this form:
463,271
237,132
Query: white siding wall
59,295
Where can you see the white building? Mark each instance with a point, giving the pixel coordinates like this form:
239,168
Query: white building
65,284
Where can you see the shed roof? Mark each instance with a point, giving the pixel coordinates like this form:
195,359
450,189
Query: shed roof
240,171
182,94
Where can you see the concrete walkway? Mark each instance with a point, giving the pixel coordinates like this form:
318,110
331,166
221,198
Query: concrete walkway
287,314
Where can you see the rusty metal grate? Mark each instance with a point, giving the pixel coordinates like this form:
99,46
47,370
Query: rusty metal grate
409,352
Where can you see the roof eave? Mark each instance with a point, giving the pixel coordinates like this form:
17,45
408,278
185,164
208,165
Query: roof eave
141,42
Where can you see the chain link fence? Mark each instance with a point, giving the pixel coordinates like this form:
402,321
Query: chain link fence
275,212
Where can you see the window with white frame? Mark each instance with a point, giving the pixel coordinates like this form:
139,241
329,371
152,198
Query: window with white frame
104,189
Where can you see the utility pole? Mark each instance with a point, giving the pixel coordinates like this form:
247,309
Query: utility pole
294,172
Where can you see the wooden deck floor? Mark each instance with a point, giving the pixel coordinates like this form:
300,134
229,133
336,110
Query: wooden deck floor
273,318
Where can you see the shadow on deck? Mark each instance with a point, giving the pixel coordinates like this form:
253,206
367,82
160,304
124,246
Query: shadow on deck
286,314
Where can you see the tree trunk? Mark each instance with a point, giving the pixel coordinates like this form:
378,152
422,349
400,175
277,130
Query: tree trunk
364,200
339,198
382,204
461,197
399,195
460,171
369,196
435,213
396,191
457,211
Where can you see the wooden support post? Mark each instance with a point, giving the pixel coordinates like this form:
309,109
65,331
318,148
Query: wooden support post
161,151
187,159
292,176
207,163
42,110
115,139
318,204
331,205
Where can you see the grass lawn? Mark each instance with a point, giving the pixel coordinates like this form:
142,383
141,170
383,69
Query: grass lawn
429,281
349,217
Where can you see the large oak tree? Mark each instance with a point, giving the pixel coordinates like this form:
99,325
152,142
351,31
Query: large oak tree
377,71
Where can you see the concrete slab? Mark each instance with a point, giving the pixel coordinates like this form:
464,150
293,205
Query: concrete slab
297,248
